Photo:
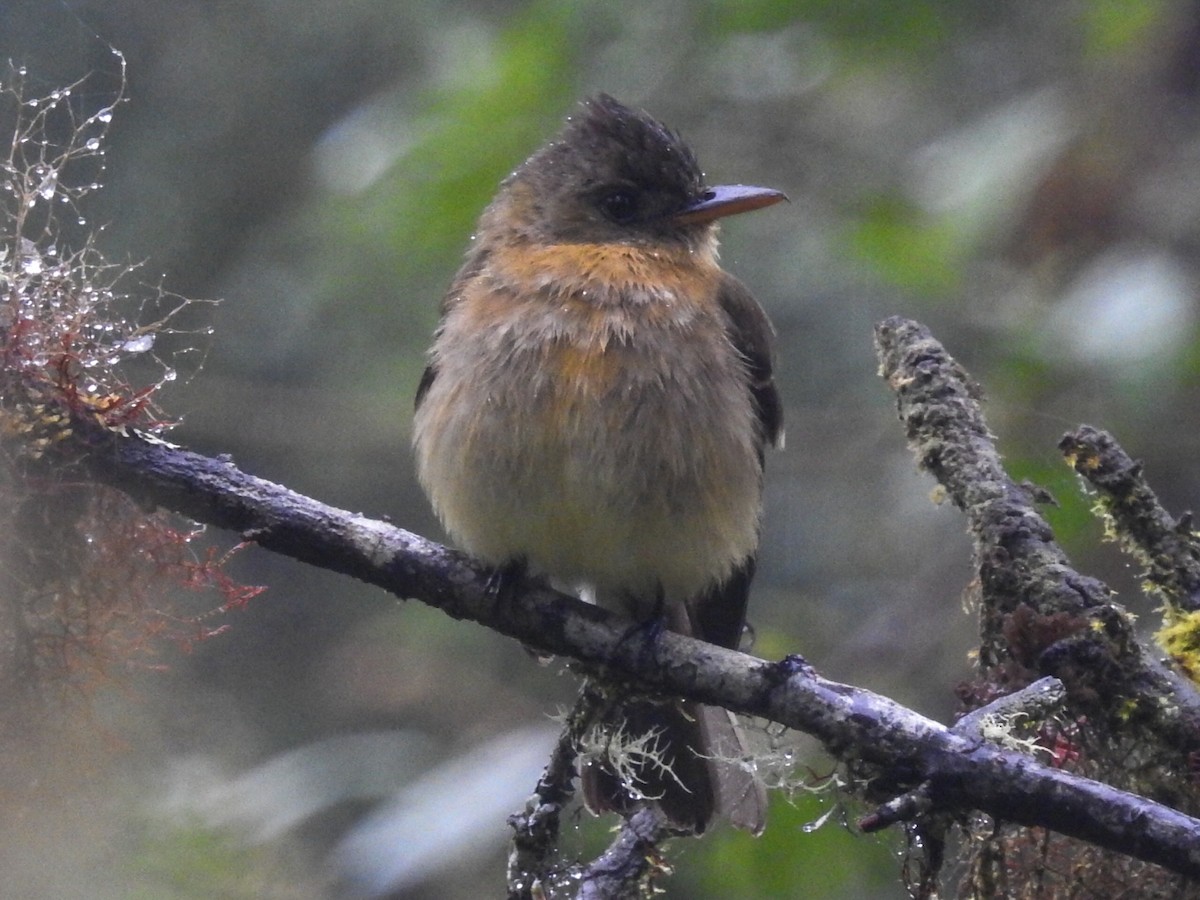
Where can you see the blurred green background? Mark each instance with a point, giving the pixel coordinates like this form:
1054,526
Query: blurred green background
1023,177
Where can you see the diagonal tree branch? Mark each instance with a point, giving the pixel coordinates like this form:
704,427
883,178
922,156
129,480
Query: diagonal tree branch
901,748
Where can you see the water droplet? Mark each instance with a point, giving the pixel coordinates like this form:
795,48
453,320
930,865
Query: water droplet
49,185
93,144
810,827
139,344
105,115
170,375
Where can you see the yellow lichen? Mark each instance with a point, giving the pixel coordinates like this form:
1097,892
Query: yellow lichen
1180,638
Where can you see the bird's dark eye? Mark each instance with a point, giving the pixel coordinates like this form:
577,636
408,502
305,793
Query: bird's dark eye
621,206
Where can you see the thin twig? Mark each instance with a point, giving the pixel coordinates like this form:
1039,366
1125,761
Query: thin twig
631,860
535,837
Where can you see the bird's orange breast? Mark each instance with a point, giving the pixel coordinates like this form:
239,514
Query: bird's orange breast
656,283
603,319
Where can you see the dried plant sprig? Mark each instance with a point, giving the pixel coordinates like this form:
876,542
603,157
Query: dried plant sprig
70,331
90,582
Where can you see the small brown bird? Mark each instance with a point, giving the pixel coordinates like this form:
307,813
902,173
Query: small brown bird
598,398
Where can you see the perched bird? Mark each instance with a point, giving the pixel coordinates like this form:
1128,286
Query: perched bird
597,401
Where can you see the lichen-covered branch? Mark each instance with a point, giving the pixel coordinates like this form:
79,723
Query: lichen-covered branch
1127,719
1039,616
1164,545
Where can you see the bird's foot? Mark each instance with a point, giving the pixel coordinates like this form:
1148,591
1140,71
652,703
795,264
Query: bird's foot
502,583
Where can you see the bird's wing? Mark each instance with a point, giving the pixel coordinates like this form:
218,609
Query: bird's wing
719,615
475,261
751,333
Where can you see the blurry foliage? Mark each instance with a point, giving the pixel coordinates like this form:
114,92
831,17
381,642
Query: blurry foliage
445,179
1112,26
470,133
865,28
920,257
192,861
795,857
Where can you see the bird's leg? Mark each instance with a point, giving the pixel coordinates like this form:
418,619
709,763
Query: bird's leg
649,629
502,583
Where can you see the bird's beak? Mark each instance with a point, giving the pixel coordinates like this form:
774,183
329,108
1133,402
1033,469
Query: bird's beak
727,200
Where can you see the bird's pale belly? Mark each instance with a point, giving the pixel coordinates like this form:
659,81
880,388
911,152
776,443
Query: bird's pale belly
616,473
